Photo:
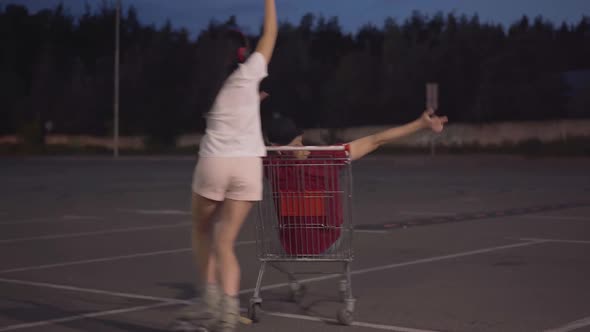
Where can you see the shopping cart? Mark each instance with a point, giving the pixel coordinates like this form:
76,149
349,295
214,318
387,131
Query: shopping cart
305,216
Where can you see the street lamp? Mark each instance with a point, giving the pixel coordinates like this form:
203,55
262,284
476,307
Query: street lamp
116,94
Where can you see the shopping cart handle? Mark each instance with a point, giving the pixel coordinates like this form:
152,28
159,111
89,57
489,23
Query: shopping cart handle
306,148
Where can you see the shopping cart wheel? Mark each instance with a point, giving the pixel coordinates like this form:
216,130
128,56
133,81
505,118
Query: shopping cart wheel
345,317
254,312
343,290
297,292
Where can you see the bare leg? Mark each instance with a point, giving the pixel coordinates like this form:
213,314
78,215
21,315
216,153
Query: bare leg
212,277
233,215
204,314
203,210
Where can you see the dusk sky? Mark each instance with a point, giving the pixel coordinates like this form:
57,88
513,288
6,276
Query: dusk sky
195,14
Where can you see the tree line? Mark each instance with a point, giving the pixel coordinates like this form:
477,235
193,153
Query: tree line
58,68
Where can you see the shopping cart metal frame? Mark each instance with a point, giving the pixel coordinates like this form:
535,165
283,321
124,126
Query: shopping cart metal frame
335,202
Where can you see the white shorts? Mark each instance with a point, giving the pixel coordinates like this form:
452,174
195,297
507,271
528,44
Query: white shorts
237,178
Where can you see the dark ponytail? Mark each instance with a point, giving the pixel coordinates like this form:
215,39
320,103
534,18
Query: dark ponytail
217,58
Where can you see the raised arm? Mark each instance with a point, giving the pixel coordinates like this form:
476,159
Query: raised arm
363,146
267,41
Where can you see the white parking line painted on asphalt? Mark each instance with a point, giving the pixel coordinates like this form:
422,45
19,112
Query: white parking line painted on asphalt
169,301
77,217
83,316
61,219
366,231
382,327
87,290
110,231
584,322
398,265
553,217
555,240
158,212
30,221
107,259
425,213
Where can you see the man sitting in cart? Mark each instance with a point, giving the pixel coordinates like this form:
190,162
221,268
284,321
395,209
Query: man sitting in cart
310,219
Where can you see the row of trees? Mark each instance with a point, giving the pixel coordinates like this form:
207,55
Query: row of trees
54,67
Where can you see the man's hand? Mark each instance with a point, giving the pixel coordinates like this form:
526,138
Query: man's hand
432,121
263,95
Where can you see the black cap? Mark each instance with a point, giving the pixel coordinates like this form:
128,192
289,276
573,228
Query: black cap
282,130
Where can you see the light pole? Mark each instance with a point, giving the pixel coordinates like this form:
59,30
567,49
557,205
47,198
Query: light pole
116,94
432,103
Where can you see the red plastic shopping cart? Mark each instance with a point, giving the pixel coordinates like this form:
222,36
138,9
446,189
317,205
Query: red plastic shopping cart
305,216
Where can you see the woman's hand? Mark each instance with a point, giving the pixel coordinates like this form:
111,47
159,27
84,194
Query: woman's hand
432,121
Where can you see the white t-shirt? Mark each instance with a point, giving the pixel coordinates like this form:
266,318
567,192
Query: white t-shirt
233,124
